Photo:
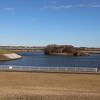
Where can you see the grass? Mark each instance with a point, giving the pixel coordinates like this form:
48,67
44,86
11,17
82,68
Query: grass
49,86
52,97
5,52
4,58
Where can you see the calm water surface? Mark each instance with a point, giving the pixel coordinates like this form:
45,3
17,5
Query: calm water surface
39,59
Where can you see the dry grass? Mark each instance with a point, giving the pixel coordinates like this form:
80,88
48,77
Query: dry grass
49,86
5,52
52,97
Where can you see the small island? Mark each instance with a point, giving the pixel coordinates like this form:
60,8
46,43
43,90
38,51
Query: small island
8,55
67,50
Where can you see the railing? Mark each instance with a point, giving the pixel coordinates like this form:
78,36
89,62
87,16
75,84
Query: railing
46,69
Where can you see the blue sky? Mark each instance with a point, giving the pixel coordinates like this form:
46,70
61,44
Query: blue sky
43,22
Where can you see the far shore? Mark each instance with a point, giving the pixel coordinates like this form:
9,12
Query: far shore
64,54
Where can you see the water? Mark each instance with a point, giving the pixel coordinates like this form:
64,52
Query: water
42,60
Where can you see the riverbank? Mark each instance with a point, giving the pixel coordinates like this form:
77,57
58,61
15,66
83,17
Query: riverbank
9,56
49,86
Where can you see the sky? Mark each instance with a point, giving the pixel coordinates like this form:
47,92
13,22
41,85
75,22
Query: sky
43,22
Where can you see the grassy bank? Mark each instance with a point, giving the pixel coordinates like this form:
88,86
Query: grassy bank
5,52
49,86
6,55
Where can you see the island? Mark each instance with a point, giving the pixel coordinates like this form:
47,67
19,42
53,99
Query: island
8,55
67,50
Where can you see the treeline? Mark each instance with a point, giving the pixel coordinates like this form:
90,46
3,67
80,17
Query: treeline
63,50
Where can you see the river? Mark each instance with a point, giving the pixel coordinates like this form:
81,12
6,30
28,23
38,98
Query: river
40,59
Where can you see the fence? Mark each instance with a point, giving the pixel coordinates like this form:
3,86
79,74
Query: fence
46,69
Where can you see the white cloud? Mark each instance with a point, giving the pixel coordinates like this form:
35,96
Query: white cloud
59,7
96,5
82,5
8,9
68,6
91,5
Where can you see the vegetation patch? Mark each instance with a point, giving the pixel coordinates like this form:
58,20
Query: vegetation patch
68,50
49,97
5,52
6,55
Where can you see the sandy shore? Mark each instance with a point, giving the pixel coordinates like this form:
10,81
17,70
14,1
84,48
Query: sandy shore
49,85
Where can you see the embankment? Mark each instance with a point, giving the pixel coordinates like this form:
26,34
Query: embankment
47,86
10,56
